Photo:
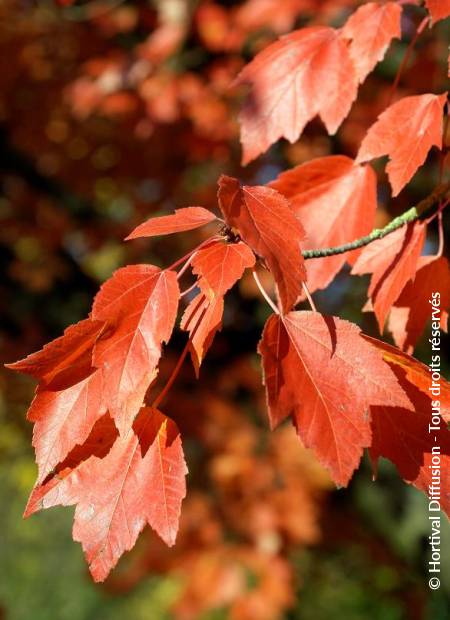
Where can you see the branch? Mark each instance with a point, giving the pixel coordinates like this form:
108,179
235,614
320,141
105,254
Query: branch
413,214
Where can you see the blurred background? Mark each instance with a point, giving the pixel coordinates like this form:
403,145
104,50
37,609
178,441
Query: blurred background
112,111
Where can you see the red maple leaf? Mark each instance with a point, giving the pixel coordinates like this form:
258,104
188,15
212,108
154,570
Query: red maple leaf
141,480
306,73
371,29
392,261
325,375
180,221
262,217
402,435
406,131
412,309
202,319
415,372
220,265
141,302
64,418
63,357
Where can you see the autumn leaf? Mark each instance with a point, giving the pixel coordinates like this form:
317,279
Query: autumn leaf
392,261
180,221
415,372
371,29
306,73
406,131
69,398
336,202
439,9
64,418
62,358
265,221
322,372
141,301
100,447
402,435
220,265
99,442
412,309
202,319
141,480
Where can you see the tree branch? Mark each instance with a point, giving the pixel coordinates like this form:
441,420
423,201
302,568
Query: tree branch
413,214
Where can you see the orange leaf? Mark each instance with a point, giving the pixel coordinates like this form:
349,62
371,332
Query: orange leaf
412,309
141,301
183,219
416,373
371,29
406,131
265,221
220,265
202,319
305,73
63,356
322,372
64,418
392,261
402,435
141,480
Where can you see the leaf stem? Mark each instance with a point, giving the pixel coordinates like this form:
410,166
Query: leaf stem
441,240
413,214
178,365
309,297
188,256
172,377
440,235
264,292
185,266
188,290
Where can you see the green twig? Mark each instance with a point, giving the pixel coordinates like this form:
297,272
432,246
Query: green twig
413,214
